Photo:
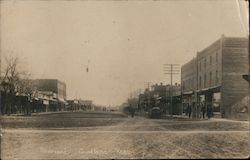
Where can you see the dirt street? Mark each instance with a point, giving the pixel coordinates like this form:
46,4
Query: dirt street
130,138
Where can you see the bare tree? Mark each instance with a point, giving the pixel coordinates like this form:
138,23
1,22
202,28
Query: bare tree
27,89
12,84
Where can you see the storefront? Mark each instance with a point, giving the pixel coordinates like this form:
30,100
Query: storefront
210,97
187,99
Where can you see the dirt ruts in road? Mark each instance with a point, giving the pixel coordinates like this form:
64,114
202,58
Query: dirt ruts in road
130,138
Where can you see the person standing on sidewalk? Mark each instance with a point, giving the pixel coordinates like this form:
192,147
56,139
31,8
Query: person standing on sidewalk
203,110
209,111
189,109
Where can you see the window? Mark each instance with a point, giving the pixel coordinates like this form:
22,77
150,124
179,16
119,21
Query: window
190,86
205,63
192,83
216,56
200,82
217,77
205,79
200,65
210,60
210,78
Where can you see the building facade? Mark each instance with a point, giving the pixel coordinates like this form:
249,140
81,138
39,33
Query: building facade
217,76
160,96
52,92
189,85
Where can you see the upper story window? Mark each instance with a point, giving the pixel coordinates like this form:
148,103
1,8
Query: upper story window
205,80
200,65
216,56
200,82
217,77
205,63
190,85
210,60
193,83
210,78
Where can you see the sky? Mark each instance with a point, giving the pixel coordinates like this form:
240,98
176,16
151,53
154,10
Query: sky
123,43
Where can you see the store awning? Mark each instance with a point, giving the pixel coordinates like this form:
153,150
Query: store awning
187,93
209,89
157,98
53,100
62,100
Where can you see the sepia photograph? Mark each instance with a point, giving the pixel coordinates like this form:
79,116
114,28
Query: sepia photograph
124,79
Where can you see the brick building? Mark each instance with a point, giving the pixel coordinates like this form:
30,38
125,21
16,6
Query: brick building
217,76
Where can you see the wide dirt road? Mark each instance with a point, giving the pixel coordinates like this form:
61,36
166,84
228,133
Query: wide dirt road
130,138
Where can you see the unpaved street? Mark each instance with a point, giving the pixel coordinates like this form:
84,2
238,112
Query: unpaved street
130,138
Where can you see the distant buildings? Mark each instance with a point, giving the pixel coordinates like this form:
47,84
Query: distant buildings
214,77
52,92
86,104
39,95
78,104
159,96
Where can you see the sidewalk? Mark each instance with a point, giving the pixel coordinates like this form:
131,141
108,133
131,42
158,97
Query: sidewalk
229,120
33,114
184,117
45,113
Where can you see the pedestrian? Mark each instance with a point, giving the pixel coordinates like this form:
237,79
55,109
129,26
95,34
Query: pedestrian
189,110
131,111
203,110
209,111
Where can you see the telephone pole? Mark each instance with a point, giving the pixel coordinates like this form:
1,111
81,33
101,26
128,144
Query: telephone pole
148,95
171,69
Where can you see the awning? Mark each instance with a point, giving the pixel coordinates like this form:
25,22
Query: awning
187,93
209,89
53,100
157,98
62,100
44,98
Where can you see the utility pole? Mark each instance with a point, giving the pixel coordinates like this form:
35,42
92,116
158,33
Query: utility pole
171,69
148,95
